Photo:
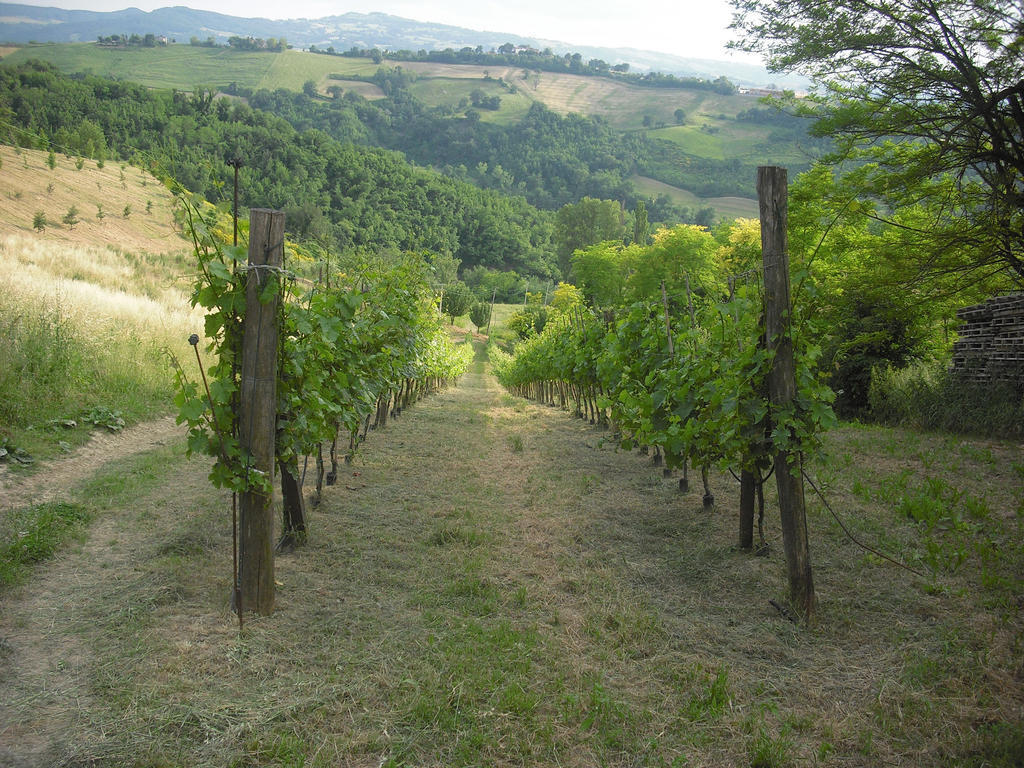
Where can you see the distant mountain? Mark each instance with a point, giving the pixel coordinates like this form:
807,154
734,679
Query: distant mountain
27,23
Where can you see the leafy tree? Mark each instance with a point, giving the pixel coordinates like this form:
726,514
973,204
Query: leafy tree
445,268
680,116
585,223
928,96
39,221
480,314
640,224
566,298
457,300
680,256
601,271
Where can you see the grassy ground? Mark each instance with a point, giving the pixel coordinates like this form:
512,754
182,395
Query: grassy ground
172,66
491,583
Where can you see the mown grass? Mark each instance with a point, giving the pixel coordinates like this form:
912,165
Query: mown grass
491,583
455,91
693,140
291,69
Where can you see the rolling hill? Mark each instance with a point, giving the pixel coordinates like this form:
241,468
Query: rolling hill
714,132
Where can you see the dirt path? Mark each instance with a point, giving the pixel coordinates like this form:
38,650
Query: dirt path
42,665
53,479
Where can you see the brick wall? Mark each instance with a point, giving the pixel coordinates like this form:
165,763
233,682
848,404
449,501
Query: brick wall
991,345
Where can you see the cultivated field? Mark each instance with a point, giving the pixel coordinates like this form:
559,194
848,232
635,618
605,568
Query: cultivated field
725,207
492,583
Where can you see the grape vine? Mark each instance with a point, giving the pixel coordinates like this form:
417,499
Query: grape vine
353,349
682,374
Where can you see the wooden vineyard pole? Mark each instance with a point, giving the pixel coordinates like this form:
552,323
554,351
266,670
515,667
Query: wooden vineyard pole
258,409
772,198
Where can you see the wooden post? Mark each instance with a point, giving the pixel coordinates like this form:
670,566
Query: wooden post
772,196
668,326
258,409
490,315
748,488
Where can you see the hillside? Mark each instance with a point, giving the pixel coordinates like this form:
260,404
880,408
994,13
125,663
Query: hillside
703,144
89,311
624,105
31,186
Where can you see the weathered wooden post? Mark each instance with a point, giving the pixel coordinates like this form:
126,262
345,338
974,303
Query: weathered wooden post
772,197
258,409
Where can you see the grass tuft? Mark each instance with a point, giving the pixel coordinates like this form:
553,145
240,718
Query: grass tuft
32,534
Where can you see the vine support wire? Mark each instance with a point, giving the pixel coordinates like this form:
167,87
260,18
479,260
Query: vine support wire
237,594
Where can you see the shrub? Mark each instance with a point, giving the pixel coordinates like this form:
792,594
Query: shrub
71,217
929,396
528,321
480,314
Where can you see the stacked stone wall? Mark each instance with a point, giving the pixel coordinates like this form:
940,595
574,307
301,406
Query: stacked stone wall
991,345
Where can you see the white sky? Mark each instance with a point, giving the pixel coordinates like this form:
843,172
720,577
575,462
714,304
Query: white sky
692,28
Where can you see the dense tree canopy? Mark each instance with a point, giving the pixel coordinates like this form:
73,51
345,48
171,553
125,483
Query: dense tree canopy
928,97
585,223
